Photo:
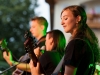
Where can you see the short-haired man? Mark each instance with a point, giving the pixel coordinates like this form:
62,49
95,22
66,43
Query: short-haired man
38,28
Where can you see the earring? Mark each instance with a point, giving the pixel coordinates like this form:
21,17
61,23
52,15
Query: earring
77,21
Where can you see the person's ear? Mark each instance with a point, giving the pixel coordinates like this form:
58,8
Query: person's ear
51,42
78,19
51,39
42,27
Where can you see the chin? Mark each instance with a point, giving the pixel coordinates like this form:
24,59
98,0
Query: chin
66,31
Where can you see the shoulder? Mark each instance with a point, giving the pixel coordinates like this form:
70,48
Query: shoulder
41,41
47,53
75,44
76,41
50,54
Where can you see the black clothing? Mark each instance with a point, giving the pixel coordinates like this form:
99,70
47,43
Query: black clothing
49,60
79,54
41,41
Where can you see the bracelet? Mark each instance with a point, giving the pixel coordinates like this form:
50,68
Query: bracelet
14,63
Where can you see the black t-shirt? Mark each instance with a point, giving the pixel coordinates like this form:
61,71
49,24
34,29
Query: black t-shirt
79,54
49,60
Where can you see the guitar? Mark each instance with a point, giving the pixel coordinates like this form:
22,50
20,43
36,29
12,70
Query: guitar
27,42
3,45
30,44
24,58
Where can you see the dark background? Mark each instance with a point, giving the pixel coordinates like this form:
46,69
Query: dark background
14,21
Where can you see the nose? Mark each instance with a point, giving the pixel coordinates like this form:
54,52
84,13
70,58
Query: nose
30,29
62,22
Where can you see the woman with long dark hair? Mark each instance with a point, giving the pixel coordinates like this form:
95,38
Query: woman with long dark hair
82,51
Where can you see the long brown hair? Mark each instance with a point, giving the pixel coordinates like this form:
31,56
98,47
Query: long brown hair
83,28
59,41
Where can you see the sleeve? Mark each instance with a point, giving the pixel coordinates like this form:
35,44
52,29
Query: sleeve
74,52
44,59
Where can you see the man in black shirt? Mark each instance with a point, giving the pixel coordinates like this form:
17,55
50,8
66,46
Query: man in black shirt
38,29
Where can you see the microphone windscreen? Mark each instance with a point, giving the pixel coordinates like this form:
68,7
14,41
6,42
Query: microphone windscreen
42,48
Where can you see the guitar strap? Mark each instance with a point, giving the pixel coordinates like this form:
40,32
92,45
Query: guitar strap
57,69
24,58
41,41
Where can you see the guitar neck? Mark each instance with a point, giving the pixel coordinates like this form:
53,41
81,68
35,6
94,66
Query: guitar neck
5,49
33,57
35,60
30,44
3,45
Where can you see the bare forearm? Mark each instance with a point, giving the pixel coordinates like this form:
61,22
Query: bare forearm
22,66
70,70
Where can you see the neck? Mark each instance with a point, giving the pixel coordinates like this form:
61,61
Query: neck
39,37
74,32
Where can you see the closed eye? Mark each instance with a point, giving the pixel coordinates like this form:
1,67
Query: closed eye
66,18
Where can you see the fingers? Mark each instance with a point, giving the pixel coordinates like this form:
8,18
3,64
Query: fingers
37,51
5,54
7,57
38,65
34,70
31,64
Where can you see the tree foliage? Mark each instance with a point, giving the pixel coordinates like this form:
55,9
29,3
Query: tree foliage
14,21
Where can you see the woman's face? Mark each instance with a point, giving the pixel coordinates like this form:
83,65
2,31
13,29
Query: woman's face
68,21
49,43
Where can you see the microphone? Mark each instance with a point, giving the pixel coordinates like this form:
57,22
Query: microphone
42,49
